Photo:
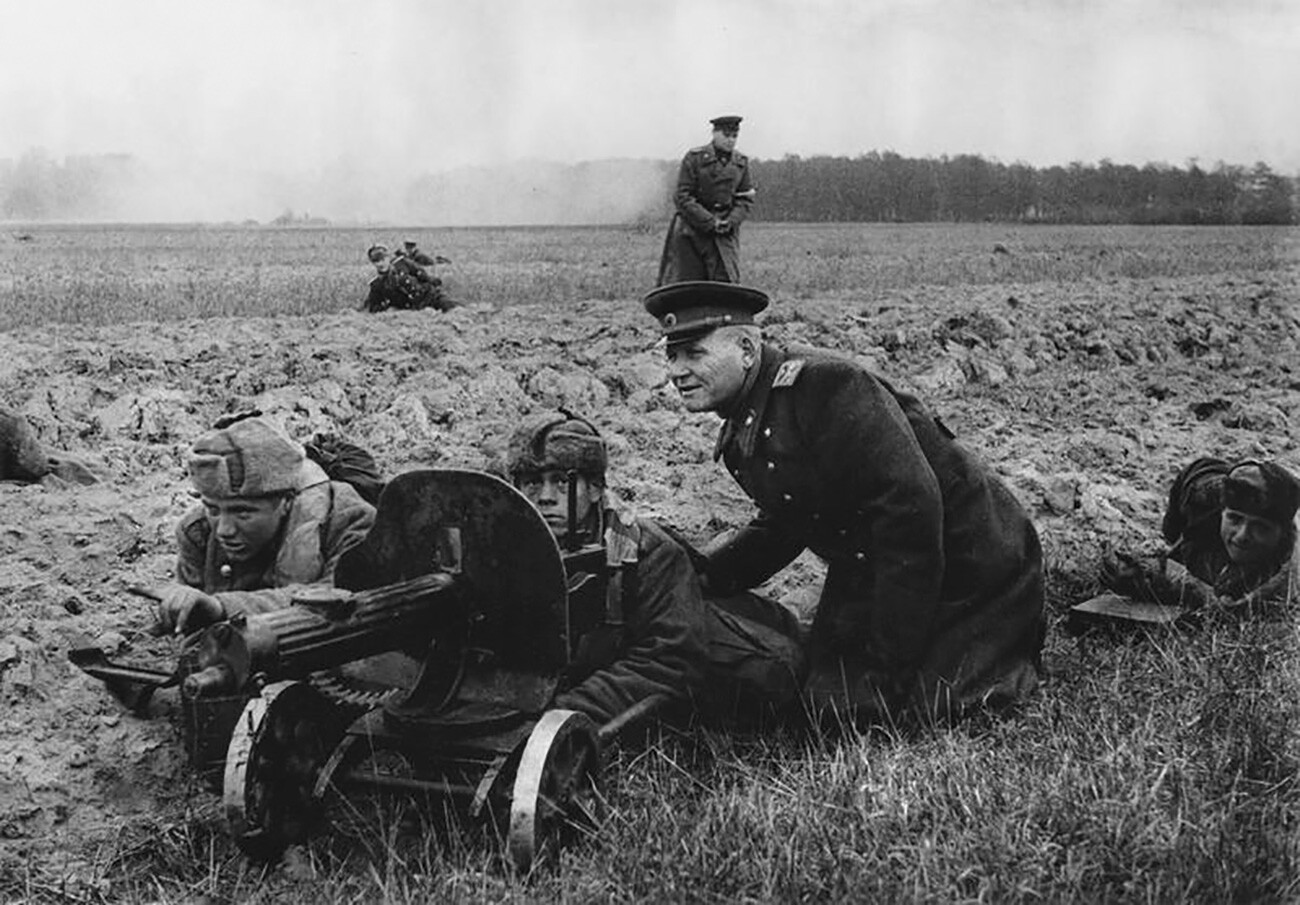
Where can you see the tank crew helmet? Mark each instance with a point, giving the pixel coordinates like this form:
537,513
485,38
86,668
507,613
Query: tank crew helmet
562,441
1263,489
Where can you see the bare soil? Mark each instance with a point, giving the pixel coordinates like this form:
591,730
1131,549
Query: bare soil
1086,397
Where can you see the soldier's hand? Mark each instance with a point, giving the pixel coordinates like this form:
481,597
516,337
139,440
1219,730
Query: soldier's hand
439,259
183,609
723,227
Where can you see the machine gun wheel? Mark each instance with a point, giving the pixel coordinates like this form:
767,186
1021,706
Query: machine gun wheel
278,745
556,789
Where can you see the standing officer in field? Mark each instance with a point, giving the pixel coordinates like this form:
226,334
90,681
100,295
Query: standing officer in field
933,601
713,198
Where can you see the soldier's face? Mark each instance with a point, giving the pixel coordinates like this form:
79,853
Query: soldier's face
708,371
549,492
383,265
725,139
245,527
1249,539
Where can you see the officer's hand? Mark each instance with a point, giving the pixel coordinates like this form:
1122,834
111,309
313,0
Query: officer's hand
722,227
183,609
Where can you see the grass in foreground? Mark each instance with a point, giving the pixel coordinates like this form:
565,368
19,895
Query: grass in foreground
1149,768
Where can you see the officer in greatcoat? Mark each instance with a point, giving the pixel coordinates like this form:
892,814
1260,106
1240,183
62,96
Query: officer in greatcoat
713,197
933,599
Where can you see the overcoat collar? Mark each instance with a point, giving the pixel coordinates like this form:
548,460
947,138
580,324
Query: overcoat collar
748,414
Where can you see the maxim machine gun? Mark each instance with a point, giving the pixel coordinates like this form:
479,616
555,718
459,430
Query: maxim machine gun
428,671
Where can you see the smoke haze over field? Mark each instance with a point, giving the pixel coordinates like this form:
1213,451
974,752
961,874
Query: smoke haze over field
246,109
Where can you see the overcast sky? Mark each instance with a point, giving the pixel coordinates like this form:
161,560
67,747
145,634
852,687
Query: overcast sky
409,86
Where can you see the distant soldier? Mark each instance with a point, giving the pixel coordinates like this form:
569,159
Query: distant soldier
933,598
401,282
410,254
712,198
1231,530
735,658
269,520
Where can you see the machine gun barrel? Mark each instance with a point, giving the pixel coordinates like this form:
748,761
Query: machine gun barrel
321,630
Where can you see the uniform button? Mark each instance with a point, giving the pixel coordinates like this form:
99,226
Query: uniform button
843,531
749,419
816,516
767,432
859,555
786,497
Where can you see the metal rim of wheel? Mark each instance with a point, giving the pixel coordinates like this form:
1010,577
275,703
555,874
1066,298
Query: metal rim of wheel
556,786
279,743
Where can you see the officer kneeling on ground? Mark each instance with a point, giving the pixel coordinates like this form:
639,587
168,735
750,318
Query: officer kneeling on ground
270,521
933,599
733,659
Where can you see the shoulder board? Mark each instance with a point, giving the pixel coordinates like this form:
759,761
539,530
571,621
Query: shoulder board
737,157
788,373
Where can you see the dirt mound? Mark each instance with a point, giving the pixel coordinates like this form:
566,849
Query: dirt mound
1086,397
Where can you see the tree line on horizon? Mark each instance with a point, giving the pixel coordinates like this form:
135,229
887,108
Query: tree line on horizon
878,186
886,187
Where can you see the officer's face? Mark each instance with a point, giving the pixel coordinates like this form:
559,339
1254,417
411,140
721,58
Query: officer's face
725,139
549,492
709,371
245,527
383,265
1249,539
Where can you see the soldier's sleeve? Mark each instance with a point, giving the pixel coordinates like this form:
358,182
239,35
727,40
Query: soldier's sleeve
865,450
374,299
743,200
350,522
665,649
685,197
751,555
191,549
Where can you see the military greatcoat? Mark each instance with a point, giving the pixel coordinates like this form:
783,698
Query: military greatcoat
324,521
933,599
710,187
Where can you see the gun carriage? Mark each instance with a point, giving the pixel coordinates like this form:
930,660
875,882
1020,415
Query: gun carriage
428,670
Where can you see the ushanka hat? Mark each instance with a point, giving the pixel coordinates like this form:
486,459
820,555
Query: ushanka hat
1263,489
248,457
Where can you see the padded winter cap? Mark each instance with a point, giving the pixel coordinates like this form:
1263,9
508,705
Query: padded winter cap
726,122
557,441
377,252
249,458
692,309
1263,489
